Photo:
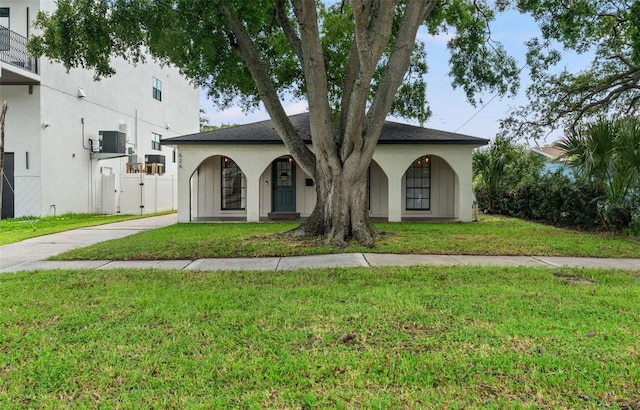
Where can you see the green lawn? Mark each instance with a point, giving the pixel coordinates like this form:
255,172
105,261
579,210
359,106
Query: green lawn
420,337
19,229
491,236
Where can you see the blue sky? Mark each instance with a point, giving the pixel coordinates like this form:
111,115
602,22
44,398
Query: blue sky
451,111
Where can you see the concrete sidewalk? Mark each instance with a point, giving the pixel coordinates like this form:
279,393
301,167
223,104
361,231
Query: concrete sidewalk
29,255
336,260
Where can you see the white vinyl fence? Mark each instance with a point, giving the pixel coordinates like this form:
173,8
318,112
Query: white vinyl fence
138,193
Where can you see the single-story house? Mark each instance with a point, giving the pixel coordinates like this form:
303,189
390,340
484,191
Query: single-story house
245,172
553,160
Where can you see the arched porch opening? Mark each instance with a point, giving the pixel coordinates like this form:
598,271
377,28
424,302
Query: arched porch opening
429,189
218,190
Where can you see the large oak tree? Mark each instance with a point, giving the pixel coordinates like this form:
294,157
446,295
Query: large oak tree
353,61
609,32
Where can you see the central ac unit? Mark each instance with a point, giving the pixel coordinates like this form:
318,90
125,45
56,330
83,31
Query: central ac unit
114,142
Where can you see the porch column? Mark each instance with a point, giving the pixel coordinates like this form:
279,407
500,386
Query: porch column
253,197
184,194
464,198
395,197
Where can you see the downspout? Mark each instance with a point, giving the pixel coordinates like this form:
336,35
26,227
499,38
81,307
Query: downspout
90,172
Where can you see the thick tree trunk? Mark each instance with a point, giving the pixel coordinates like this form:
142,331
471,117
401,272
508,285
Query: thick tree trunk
341,212
340,156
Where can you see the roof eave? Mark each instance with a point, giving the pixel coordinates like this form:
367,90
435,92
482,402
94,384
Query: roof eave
478,143
170,142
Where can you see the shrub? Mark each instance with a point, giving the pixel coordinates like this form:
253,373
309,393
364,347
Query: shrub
522,190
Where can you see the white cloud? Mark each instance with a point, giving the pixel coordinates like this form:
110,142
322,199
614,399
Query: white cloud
235,115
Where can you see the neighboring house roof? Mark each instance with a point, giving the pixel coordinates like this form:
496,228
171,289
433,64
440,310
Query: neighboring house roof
552,152
263,132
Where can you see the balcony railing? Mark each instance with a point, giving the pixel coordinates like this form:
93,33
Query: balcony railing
13,50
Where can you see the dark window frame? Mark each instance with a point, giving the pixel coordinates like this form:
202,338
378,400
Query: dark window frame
5,31
418,185
5,12
156,85
155,141
236,182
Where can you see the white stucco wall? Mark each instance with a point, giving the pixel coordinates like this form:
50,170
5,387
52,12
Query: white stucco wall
54,125
18,13
123,102
395,159
379,186
450,180
252,160
22,136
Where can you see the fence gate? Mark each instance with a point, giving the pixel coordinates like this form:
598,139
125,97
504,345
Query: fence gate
109,194
143,194
132,193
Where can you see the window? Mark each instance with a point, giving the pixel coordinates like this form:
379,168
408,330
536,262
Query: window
157,89
4,17
5,44
155,141
418,185
173,156
234,186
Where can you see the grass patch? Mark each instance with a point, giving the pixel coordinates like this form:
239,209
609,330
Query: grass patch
491,236
456,337
18,229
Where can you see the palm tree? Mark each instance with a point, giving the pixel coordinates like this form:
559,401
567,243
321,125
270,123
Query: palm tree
608,154
500,167
629,154
489,167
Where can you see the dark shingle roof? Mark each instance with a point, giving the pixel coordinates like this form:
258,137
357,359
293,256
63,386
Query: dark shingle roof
263,133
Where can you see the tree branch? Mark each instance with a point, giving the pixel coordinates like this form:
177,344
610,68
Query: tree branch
244,46
349,83
415,13
316,81
288,29
373,24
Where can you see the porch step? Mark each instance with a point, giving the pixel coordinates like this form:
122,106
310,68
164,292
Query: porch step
284,216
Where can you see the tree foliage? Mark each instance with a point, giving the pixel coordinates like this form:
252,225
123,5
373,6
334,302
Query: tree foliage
499,167
509,179
608,154
610,85
206,126
354,62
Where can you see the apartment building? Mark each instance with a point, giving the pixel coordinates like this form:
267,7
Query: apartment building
74,144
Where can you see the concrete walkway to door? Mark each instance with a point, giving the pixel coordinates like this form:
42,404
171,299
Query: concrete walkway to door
17,254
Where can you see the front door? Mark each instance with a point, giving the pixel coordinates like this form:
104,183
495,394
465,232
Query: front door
284,187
